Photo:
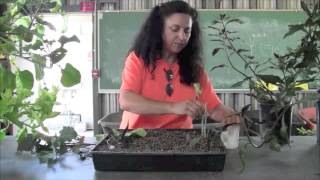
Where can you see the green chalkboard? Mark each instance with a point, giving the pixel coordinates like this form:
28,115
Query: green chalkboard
262,33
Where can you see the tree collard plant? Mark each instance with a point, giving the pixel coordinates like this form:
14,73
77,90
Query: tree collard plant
298,66
22,37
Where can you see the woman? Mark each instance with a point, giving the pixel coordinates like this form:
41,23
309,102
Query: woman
160,72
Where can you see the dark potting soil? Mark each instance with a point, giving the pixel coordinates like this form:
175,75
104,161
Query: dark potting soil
166,141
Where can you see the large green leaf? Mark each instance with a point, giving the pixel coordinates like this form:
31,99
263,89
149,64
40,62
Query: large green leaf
293,29
215,51
36,45
26,79
40,30
2,134
27,36
23,21
57,55
268,78
7,47
38,59
43,22
139,132
70,76
4,26
7,79
57,4
63,40
68,133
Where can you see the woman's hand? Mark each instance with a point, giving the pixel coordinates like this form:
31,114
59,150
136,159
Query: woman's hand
133,102
225,115
188,107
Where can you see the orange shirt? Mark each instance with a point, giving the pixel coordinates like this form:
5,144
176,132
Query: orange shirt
137,78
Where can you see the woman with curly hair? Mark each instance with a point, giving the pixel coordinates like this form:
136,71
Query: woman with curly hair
162,70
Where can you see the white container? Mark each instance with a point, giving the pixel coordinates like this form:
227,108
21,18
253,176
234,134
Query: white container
230,137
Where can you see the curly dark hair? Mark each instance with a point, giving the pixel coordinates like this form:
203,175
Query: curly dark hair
148,43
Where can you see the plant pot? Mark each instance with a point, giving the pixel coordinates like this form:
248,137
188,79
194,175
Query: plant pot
275,121
162,150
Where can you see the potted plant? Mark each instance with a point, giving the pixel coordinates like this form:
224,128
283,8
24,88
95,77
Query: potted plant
290,70
22,38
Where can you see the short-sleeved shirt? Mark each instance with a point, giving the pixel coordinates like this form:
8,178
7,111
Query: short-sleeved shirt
136,77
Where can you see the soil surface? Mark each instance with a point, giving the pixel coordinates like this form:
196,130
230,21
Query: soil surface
166,141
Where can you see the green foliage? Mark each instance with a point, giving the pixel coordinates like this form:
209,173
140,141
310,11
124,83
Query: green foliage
22,37
121,138
306,132
16,104
139,132
7,79
298,66
68,133
99,137
70,76
274,144
2,134
22,24
49,149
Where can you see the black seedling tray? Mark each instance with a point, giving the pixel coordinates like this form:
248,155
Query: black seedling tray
159,160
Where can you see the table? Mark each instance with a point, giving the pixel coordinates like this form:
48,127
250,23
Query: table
300,161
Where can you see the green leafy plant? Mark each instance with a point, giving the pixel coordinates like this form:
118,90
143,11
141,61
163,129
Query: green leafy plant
117,138
296,67
306,132
22,38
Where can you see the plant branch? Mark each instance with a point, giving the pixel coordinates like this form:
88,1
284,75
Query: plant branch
234,48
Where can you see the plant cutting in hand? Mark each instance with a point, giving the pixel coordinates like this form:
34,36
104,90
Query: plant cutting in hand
203,116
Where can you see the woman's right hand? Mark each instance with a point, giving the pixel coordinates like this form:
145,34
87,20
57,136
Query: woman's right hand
189,107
